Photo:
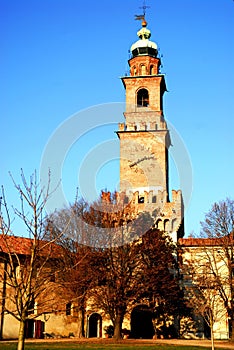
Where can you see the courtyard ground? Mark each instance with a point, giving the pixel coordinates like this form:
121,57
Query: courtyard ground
109,344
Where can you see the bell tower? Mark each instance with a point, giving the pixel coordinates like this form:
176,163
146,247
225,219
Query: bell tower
145,138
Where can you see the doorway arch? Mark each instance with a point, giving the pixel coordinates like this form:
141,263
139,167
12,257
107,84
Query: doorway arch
95,326
141,322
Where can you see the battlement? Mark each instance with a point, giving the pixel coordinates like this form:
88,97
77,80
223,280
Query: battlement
168,214
142,121
142,126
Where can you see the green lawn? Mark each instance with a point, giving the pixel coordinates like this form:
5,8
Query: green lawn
96,346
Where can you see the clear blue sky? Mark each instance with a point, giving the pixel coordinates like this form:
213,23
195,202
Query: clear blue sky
61,56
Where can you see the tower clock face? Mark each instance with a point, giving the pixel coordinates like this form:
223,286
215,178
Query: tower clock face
140,160
143,165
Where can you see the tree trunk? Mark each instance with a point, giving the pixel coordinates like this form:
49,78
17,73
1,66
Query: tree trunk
80,324
231,335
118,326
21,337
212,336
3,299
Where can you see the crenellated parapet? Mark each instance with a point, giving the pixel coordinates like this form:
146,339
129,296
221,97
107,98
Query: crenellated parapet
153,121
168,215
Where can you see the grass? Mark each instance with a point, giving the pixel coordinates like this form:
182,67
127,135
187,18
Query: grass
72,345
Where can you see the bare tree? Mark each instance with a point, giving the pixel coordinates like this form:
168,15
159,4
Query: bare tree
218,227
124,259
208,263
161,283
136,263
27,272
115,234
201,289
74,229
77,279
119,276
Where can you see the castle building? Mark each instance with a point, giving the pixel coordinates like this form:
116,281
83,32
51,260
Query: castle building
144,181
144,144
145,139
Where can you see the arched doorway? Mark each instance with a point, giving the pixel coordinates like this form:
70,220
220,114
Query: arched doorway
141,323
95,326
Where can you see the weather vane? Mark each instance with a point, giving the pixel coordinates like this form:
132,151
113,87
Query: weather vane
142,17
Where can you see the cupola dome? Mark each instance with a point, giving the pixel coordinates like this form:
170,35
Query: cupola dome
144,46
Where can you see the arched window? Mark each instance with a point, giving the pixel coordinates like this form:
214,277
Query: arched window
159,225
166,226
143,69
151,70
142,98
154,199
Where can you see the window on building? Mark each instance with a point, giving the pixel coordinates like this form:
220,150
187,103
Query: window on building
143,69
68,308
154,199
142,98
141,199
14,270
151,70
31,306
166,225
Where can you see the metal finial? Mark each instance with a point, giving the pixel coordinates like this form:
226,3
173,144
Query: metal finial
142,17
144,7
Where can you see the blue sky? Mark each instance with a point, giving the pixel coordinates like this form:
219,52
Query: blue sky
60,57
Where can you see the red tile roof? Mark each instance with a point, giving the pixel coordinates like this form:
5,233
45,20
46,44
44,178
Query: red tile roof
22,246
202,242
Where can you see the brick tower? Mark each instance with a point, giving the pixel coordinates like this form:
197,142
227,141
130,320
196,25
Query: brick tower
145,139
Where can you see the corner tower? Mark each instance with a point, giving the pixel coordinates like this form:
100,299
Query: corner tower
145,138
